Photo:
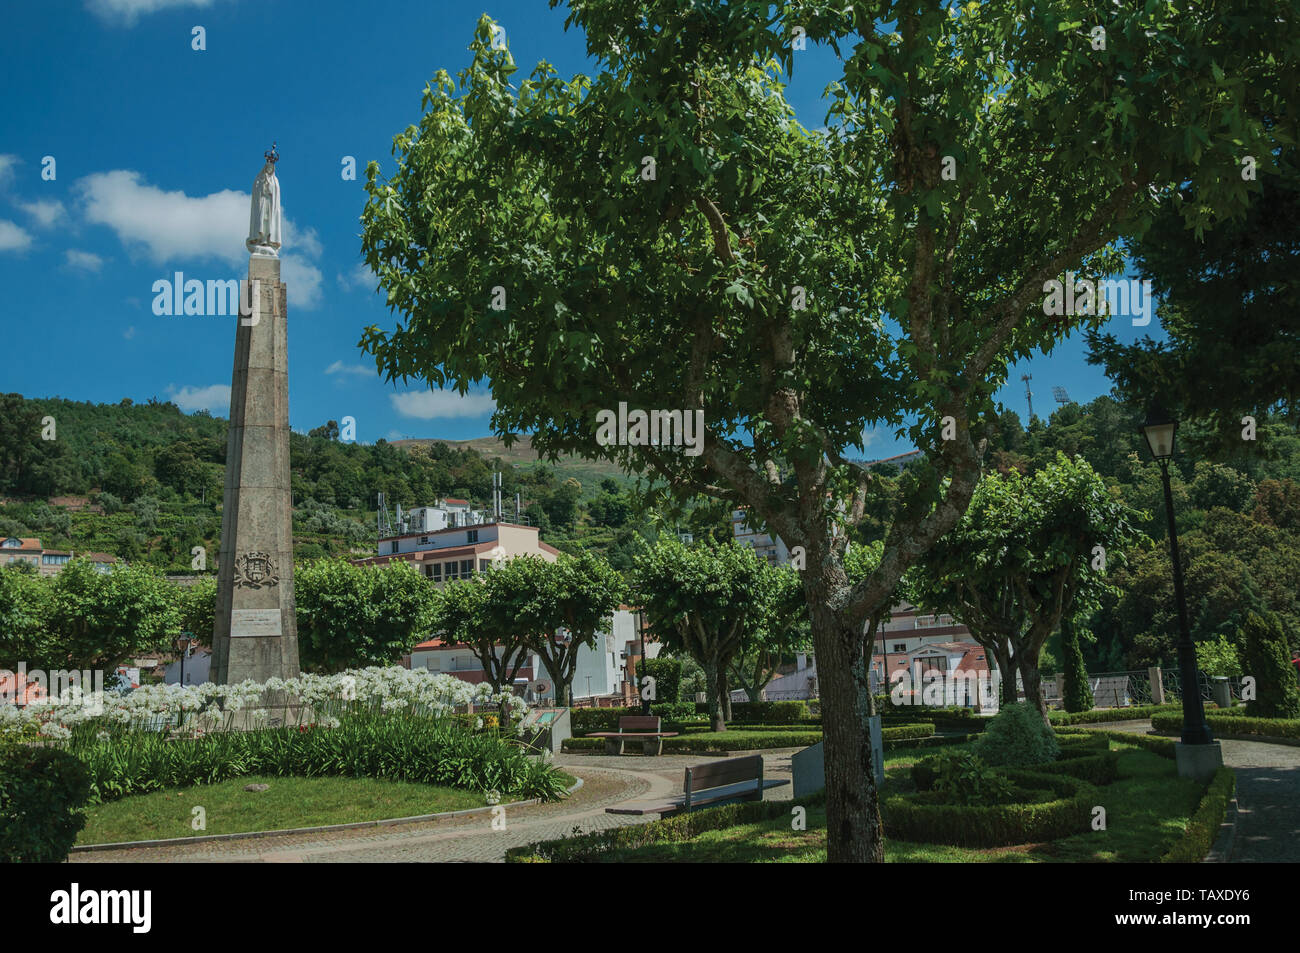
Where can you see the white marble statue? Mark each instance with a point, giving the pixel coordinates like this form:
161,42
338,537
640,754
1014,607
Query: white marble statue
264,221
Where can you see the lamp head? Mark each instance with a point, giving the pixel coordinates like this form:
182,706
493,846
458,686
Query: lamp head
1159,430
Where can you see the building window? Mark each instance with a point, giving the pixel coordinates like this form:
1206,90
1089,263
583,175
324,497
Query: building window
899,647
436,572
392,547
484,565
471,536
467,567
424,540
932,665
453,570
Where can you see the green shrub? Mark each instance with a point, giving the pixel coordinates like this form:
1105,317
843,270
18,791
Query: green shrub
672,712
1068,810
1203,828
1222,723
1016,736
667,675
906,732
42,793
1077,695
963,777
669,830
1098,715
396,746
1264,654
737,739
769,713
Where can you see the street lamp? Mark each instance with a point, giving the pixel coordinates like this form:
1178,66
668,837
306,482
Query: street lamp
1159,430
182,645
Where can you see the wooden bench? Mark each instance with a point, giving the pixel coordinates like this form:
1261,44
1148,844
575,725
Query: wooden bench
643,727
709,785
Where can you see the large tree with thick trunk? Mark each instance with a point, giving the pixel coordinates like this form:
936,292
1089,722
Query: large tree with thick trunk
1030,552
665,233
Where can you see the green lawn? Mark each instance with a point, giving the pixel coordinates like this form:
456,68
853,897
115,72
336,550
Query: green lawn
1147,809
289,802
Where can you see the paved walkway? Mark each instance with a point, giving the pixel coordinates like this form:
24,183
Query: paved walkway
606,781
1268,797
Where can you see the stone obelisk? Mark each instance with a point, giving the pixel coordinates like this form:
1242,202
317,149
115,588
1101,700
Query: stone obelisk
255,635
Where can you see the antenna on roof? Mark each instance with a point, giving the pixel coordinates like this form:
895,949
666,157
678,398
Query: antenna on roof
1029,395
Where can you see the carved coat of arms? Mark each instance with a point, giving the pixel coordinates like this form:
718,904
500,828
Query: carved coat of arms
255,570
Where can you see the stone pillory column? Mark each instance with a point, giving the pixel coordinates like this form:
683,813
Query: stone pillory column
255,635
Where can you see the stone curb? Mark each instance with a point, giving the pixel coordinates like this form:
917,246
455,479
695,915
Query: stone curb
1221,851
325,828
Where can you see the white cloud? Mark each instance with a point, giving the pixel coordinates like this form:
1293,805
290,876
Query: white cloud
394,435
303,280
436,404
85,260
215,398
360,370
172,226
45,211
871,435
359,277
13,237
127,12
7,163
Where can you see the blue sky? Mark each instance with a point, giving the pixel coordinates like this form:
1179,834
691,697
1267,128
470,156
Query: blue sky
156,146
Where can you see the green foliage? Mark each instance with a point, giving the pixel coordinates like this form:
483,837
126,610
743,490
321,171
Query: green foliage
25,602
537,598
1063,808
397,746
353,616
97,619
770,713
42,793
1218,657
1223,723
964,778
1016,736
667,675
1265,655
1078,694
1203,828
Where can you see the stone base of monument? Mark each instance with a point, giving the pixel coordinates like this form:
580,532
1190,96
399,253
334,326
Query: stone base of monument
1198,762
279,713
808,767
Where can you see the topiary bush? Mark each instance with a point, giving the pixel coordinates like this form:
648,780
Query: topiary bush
1016,736
42,793
1264,654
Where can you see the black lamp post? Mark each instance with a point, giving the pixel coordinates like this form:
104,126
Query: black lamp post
1159,431
182,645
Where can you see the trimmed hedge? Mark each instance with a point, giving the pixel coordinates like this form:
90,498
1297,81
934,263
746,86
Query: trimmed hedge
706,741
1070,812
682,827
586,720
1099,715
770,713
906,732
42,793
934,741
1203,827
667,675
1234,725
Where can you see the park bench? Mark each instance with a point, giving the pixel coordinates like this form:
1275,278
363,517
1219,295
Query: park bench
643,727
709,785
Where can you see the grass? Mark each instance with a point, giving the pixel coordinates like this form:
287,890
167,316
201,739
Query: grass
288,802
1147,810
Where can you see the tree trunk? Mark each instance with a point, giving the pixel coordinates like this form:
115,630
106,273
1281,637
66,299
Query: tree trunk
1033,684
1007,674
716,715
724,693
853,828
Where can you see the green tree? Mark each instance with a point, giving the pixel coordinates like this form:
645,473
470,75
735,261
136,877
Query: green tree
99,619
560,607
463,616
25,603
1078,693
797,288
352,616
1028,551
705,601
1265,655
